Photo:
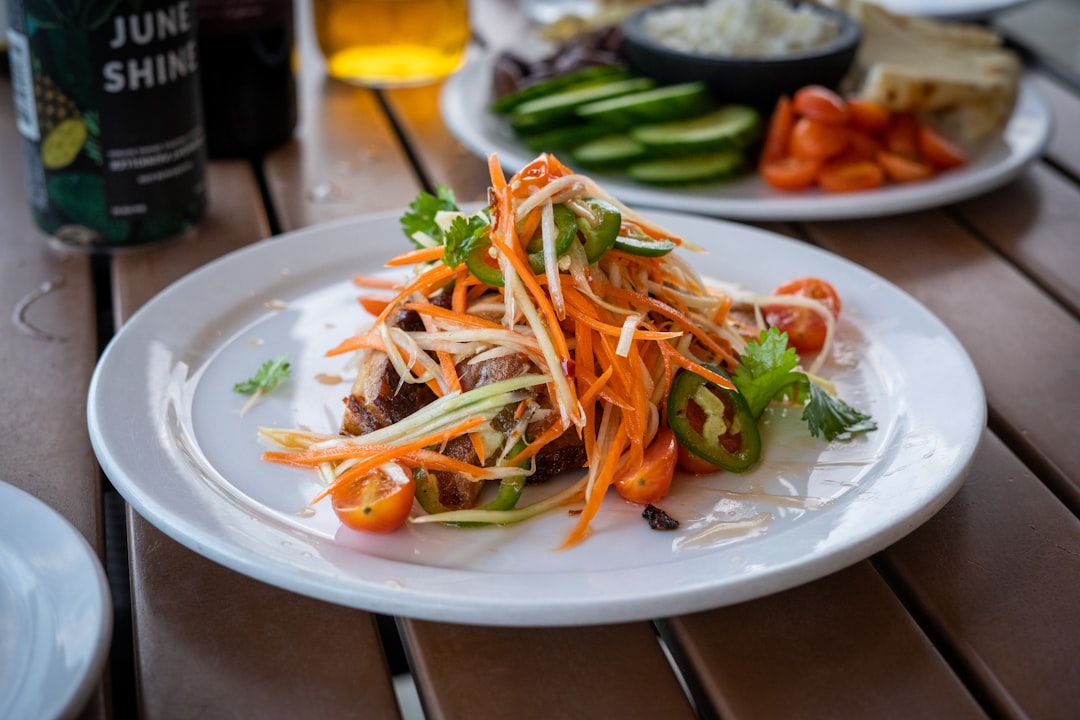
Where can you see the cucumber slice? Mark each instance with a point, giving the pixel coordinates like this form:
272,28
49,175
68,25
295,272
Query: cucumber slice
562,105
686,170
592,75
659,104
732,126
563,138
611,151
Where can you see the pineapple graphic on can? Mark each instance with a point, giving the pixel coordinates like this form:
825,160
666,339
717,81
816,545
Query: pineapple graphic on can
107,101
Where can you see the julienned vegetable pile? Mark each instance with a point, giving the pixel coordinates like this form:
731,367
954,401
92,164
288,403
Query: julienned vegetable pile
557,331
606,118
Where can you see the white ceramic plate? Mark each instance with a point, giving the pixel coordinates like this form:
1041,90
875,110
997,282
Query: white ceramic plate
168,431
55,611
953,9
465,98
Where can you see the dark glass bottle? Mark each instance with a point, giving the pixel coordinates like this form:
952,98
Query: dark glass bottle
107,102
248,83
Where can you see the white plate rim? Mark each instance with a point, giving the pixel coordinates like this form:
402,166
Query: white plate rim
241,540
951,9
463,103
71,587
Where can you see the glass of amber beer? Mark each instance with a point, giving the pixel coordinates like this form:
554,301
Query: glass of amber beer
391,43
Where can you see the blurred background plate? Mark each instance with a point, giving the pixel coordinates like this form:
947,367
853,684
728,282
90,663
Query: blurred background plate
956,9
55,611
466,97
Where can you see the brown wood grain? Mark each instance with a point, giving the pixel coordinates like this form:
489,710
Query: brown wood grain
605,671
47,355
1033,222
214,643
996,573
842,646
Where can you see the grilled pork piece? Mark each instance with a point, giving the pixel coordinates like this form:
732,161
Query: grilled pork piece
379,398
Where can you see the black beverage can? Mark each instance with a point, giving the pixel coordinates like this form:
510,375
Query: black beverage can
108,104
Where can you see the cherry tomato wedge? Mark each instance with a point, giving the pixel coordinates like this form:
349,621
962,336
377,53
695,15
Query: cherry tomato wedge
868,115
903,169
779,132
938,150
805,328
902,135
821,104
790,173
691,463
651,481
846,176
378,502
813,140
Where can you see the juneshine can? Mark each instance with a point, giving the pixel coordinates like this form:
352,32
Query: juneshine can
107,101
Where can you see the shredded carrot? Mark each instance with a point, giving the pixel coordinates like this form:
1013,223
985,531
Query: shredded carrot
597,385
595,496
498,180
682,361
371,281
458,318
721,314
459,298
419,255
372,304
553,431
538,294
370,462
374,342
668,311
429,281
357,342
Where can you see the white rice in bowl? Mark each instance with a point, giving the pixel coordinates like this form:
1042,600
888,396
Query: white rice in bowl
740,28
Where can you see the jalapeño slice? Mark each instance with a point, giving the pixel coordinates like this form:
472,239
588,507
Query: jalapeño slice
713,423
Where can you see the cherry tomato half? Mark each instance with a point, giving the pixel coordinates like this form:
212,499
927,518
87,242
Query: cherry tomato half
805,328
843,175
938,150
813,140
821,104
378,502
868,115
790,173
778,134
651,481
903,169
691,463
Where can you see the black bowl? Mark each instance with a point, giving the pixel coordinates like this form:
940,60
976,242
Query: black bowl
756,81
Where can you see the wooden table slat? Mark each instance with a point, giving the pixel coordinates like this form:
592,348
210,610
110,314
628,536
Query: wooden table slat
47,354
1032,222
842,646
997,573
617,671
214,643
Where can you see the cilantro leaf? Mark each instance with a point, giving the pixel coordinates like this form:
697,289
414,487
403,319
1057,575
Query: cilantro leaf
833,418
767,369
767,372
422,211
461,237
266,378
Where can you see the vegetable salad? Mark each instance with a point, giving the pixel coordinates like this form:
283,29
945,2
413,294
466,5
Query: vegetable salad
626,351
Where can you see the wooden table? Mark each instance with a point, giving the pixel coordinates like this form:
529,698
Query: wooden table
974,614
